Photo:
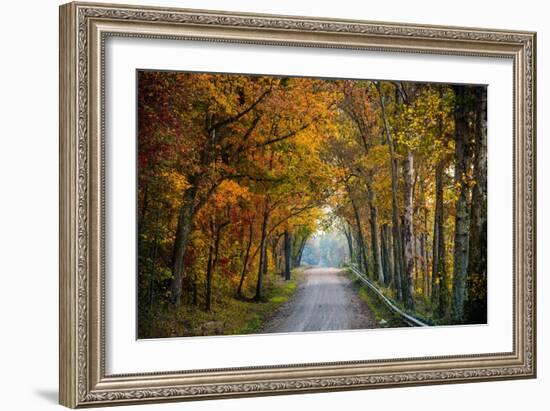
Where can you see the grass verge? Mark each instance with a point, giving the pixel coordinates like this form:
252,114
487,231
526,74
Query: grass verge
228,316
385,317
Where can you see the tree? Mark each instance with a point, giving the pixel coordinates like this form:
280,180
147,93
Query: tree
475,310
358,104
439,265
463,107
397,243
288,254
210,119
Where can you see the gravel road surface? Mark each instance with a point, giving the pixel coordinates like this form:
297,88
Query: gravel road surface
325,300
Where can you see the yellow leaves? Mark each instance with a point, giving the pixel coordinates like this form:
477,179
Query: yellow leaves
425,122
198,241
168,187
175,180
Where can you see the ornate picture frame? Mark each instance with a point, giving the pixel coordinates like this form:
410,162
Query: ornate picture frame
84,29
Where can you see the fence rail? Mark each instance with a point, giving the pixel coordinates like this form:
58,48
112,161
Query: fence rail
409,319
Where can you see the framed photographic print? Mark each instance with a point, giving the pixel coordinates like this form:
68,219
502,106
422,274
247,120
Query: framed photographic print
259,204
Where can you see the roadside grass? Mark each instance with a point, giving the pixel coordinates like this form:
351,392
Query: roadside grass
384,316
228,316
422,311
275,296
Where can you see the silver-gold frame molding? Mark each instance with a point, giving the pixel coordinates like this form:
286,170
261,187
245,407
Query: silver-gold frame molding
83,30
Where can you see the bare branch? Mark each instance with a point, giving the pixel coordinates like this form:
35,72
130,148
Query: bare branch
238,116
283,137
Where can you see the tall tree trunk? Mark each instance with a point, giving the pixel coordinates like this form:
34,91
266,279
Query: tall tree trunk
298,260
423,265
435,239
265,260
409,243
440,291
425,254
183,230
274,255
357,251
391,265
210,269
246,257
259,283
213,255
281,261
361,241
416,254
386,257
153,256
462,218
288,255
397,248
377,261
476,304
349,238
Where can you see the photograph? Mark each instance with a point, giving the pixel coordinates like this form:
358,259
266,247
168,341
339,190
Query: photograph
283,204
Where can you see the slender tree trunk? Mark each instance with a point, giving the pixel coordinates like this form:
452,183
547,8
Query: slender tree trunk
386,254
389,251
213,255
302,251
357,252
377,261
281,257
415,261
265,260
210,269
349,238
259,283
423,269
476,304
408,234
439,266
296,247
274,256
303,242
153,257
425,254
361,242
288,255
435,242
397,248
276,253
246,256
462,218
183,230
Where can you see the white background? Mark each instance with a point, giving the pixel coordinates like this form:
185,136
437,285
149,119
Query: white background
28,206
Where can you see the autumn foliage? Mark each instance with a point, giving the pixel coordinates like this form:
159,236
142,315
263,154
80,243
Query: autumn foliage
237,172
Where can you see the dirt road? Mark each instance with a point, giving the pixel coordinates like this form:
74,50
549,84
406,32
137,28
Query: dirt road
325,300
